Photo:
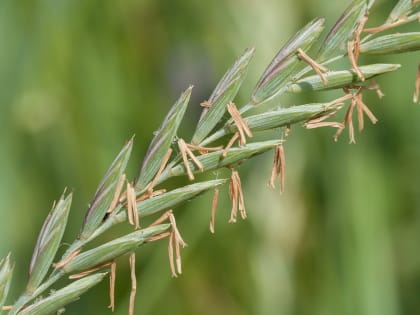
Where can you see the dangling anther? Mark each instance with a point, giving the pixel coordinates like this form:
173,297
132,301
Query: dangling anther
236,196
240,123
319,69
185,152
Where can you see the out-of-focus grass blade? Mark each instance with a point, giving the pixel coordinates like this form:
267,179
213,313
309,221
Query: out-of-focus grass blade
401,10
48,242
112,249
6,272
64,296
215,160
105,192
224,93
392,44
342,31
282,67
163,140
339,79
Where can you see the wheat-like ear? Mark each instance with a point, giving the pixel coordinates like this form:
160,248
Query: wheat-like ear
223,138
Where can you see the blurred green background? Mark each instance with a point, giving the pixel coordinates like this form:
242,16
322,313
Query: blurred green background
79,78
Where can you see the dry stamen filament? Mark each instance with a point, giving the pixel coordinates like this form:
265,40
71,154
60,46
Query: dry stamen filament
319,69
237,197
279,166
132,261
240,123
185,152
213,209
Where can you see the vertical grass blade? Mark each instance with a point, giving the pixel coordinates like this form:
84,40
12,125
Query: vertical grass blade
282,67
105,192
48,241
163,140
6,272
224,93
343,29
64,296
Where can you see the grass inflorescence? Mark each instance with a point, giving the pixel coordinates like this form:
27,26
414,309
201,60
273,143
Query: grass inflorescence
296,68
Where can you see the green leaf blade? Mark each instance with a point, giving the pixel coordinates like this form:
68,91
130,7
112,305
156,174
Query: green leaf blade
281,69
105,192
224,93
48,242
163,140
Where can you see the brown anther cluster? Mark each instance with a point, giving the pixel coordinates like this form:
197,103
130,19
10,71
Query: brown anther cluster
175,240
358,104
319,69
278,169
236,196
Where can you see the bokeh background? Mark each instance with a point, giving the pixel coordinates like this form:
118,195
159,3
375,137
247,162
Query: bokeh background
79,78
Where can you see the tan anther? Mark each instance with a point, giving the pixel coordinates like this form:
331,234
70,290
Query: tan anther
213,209
357,34
240,123
133,291
132,214
278,169
204,150
319,69
117,194
162,166
237,197
89,271
353,60
185,152
230,143
175,240
68,259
